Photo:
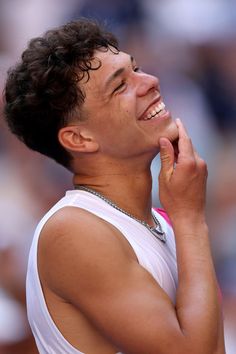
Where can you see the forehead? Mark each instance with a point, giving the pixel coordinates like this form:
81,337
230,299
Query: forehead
109,59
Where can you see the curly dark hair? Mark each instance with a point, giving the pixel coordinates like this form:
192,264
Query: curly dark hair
42,91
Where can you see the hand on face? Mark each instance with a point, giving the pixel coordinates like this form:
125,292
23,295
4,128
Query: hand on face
182,179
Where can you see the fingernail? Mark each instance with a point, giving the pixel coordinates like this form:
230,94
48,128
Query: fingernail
178,120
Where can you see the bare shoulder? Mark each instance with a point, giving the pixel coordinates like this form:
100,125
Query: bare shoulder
76,225
89,264
74,238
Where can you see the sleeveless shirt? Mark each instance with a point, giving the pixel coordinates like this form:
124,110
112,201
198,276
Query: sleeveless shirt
156,257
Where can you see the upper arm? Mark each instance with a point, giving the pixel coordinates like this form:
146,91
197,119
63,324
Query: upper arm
88,265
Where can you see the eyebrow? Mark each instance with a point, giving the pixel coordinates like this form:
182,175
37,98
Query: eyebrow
116,74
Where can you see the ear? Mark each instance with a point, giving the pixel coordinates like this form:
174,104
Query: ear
75,138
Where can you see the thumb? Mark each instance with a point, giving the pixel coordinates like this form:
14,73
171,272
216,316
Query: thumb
167,157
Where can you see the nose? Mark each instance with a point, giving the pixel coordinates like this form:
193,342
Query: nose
146,83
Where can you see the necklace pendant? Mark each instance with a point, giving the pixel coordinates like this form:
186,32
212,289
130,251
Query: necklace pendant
158,234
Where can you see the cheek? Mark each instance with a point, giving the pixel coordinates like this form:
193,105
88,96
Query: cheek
120,116
125,104
116,120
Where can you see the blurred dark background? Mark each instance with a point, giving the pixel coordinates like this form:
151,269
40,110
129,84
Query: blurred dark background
191,46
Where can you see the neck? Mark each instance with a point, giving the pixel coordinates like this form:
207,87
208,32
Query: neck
129,191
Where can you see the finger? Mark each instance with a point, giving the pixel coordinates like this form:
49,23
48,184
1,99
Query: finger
176,149
182,131
167,157
197,157
184,144
201,163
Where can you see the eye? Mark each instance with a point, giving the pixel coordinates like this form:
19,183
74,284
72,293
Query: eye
121,85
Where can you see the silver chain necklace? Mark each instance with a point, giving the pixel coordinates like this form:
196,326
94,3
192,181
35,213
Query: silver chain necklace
155,230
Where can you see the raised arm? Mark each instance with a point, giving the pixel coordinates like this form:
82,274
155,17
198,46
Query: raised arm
182,193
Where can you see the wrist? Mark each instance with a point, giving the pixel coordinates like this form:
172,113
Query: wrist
189,223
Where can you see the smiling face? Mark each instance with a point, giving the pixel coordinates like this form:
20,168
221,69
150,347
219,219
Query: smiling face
124,109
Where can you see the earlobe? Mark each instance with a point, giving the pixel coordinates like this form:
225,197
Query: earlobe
75,139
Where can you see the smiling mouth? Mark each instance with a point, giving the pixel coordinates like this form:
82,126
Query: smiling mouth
155,111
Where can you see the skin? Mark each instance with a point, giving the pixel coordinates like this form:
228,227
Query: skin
90,276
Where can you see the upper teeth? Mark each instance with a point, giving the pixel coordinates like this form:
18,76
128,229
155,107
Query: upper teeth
155,111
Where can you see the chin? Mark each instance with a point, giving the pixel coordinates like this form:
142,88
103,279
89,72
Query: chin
172,132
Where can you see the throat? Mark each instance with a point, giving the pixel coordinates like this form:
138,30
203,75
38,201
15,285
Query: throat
131,192
156,229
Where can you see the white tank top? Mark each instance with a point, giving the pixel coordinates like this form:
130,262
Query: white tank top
158,258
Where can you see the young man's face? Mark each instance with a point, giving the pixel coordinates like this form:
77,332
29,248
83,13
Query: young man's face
124,108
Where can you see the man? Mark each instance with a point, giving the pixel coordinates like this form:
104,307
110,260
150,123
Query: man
102,274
